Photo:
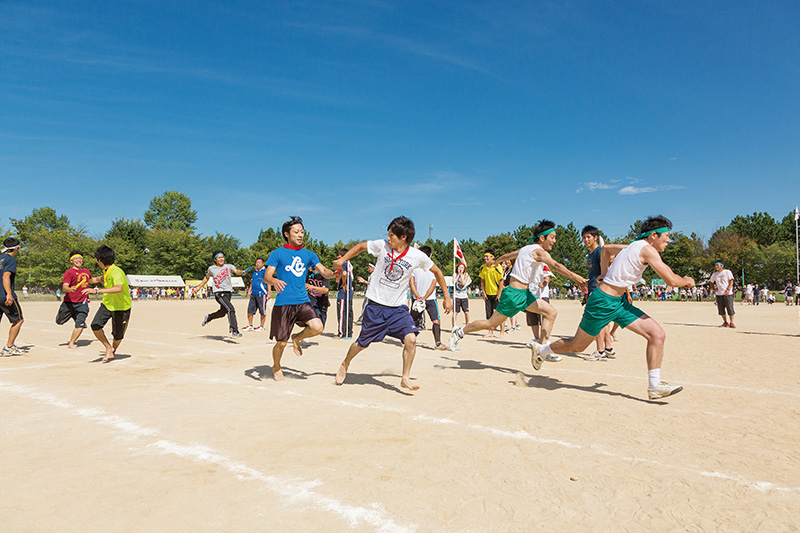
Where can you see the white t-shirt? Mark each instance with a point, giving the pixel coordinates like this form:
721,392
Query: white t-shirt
526,269
722,281
541,292
389,282
422,282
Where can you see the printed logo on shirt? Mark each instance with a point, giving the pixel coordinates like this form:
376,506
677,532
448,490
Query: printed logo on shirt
222,276
297,267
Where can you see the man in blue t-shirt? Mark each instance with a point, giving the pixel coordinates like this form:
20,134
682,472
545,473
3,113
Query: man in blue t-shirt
259,296
592,240
9,305
287,268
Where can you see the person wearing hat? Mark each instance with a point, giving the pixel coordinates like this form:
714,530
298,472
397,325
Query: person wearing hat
722,279
9,305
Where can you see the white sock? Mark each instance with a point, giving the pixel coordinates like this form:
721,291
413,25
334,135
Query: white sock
546,350
654,377
460,333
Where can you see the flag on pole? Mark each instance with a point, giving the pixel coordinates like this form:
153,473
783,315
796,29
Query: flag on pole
796,214
457,252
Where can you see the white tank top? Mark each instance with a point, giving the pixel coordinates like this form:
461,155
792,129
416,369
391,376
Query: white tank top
627,269
525,268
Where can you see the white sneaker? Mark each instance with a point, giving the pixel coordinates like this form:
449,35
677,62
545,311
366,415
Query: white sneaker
259,328
456,336
205,320
536,359
247,328
595,356
610,353
552,358
11,350
663,390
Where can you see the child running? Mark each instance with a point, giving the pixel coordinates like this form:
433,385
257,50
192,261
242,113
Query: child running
290,264
530,260
386,312
76,303
608,302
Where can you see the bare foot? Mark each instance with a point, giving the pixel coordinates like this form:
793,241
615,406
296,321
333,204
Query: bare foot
109,355
298,350
278,375
71,346
340,375
488,335
406,384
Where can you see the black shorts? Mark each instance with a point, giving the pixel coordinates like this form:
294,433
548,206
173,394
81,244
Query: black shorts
13,311
77,310
461,305
119,321
284,317
725,304
534,319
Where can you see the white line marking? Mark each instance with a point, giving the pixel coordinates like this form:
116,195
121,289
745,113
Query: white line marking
295,491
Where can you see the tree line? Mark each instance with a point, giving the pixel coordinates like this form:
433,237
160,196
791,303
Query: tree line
165,242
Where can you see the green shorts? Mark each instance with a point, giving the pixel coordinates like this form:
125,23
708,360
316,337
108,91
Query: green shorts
602,308
513,300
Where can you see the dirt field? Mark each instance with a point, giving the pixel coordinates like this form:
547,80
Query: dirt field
187,431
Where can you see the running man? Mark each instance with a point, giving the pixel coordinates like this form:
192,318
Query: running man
116,305
423,288
608,303
290,264
386,312
722,279
530,260
76,304
9,305
592,240
259,296
220,272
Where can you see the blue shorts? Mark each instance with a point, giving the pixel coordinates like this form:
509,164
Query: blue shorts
378,320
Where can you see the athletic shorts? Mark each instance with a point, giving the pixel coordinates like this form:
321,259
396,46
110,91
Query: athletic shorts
378,320
513,300
76,310
13,311
119,321
284,317
602,308
258,302
725,304
534,319
461,305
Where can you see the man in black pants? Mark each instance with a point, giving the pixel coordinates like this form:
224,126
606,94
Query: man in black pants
220,272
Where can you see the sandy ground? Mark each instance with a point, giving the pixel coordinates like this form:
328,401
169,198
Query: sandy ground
187,431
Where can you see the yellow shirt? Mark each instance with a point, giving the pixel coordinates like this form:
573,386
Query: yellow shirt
491,279
119,301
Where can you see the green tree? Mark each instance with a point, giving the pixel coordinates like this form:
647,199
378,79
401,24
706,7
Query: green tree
786,229
570,252
230,246
43,218
732,249
778,264
177,253
684,256
759,227
171,211
129,239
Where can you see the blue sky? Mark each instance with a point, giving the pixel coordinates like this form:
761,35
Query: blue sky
475,117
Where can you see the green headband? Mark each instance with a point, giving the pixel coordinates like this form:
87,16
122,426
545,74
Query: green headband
545,232
659,230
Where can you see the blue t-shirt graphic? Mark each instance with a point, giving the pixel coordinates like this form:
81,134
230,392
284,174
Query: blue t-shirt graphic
291,266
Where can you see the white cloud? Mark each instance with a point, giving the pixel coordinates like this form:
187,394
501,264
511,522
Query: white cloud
639,190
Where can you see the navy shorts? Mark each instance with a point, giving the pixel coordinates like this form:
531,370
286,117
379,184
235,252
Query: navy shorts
258,302
378,320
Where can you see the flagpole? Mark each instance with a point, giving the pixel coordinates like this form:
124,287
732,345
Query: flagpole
453,278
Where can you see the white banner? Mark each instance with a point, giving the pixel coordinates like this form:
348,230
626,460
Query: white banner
135,280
